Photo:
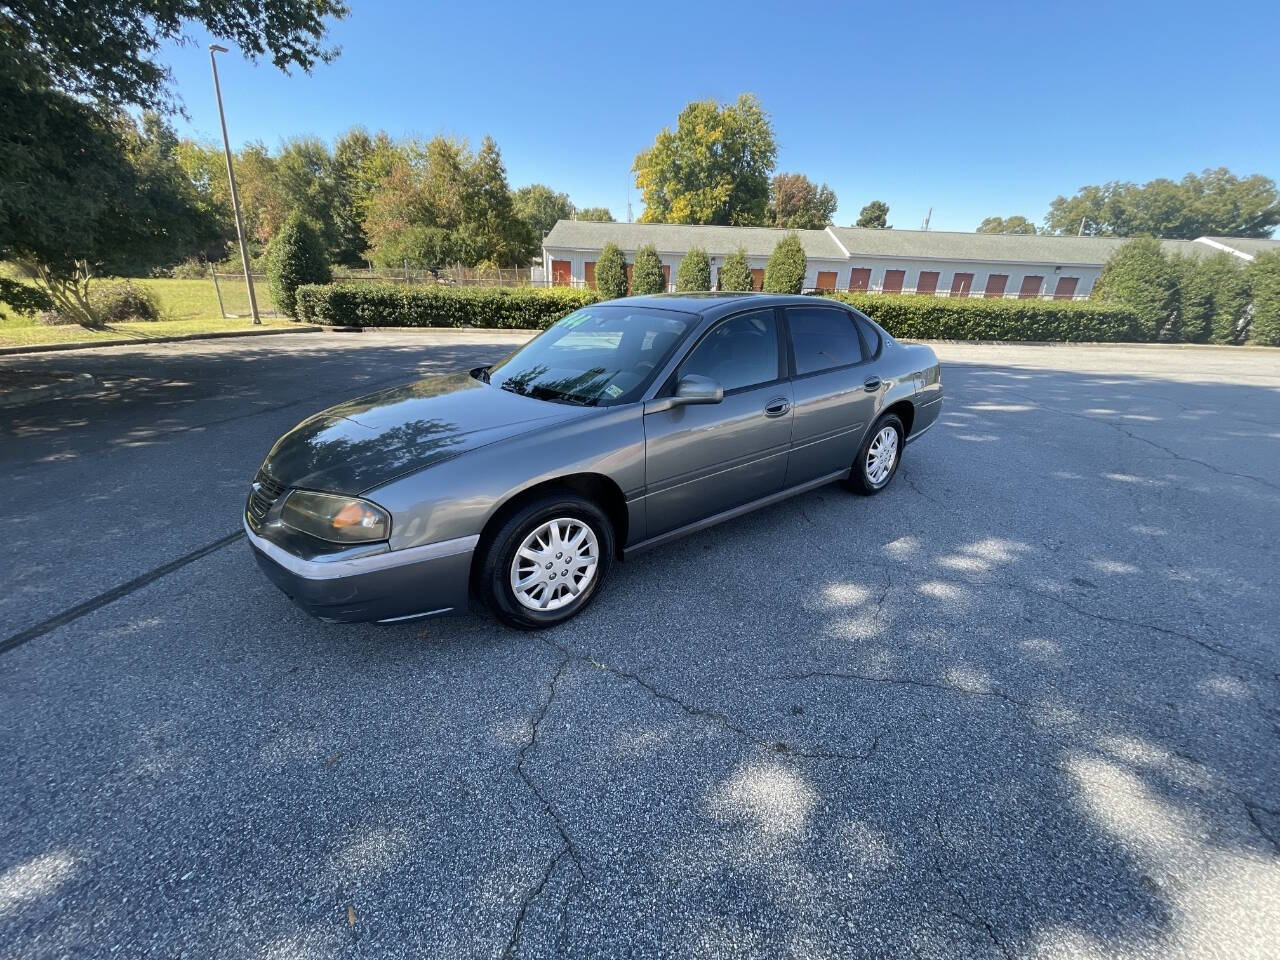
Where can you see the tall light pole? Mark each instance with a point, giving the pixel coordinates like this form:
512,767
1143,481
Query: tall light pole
231,179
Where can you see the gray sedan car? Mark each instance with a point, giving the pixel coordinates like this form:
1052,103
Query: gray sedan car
514,487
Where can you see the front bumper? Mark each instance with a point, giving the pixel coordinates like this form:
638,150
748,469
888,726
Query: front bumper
422,581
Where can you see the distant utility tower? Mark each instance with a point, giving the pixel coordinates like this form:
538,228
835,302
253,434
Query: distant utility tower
927,217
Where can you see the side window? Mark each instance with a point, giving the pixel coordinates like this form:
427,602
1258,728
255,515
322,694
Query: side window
822,339
740,352
870,335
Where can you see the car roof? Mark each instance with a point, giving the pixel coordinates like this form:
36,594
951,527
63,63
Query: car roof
708,301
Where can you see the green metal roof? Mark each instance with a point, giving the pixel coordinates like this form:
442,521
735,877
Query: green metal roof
679,237
866,243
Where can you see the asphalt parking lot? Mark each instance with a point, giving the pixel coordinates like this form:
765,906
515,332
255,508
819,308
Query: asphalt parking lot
1024,704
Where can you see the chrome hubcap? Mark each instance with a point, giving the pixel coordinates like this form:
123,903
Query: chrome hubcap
881,455
554,564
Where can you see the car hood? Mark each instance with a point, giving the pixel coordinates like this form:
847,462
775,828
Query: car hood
371,440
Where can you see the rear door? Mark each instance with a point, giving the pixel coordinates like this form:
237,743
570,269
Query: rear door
703,459
835,392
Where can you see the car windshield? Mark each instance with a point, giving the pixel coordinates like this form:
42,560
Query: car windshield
596,356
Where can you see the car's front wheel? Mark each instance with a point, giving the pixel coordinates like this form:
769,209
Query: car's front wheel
878,459
547,561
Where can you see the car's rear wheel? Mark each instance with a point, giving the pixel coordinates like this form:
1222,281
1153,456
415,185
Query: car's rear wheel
878,459
547,561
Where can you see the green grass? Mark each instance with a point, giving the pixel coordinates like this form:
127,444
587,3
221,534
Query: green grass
30,334
186,306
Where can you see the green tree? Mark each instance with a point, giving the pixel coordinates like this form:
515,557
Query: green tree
1215,203
350,155
735,272
70,198
1264,283
596,214
96,198
296,255
305,184
694,272
106,52
540,207
1213,297
1140,276
611,273
713,168
786,268
798,203
646,274
490,228
439,203
1014,225
875,215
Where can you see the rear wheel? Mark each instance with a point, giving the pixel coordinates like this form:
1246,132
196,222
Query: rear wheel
879,456
547,561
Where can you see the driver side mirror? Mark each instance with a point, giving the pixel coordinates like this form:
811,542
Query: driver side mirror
691,389
697,389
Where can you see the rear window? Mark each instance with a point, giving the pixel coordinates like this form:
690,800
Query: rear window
822,339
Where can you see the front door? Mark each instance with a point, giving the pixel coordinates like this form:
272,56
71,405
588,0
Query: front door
836,394
703,459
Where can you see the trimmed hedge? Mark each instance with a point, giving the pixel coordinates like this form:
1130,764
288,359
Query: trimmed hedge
939,318
391,305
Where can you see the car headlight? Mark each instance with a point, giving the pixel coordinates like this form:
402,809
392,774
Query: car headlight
336,519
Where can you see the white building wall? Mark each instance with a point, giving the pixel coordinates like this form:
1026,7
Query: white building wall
1086,274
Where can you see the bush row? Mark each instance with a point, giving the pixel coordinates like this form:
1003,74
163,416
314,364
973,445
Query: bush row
390,305
938,318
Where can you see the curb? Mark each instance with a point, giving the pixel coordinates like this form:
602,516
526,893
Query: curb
146,341
78,384
1141,344
349,328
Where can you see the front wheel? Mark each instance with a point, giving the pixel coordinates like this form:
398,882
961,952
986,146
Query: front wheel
879,456
547,562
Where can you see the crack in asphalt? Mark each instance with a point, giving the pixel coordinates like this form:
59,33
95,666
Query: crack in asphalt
566,841
1252,809
905,682
1159,446
1155,628
715,716
973,919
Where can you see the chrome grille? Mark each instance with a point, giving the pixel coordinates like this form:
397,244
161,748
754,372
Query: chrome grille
266,491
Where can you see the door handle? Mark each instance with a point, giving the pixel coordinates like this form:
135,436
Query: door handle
872,384
777,407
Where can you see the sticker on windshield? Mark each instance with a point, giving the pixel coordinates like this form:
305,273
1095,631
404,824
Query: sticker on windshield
613,391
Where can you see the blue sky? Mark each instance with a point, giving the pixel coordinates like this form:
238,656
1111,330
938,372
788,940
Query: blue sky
972,110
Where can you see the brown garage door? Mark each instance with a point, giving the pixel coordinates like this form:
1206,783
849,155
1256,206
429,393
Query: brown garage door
561,275
1030,288
928,282
589,272
628,278
996,282
961,284
827,280
1066,288
893,281
859,278
757,279
666,276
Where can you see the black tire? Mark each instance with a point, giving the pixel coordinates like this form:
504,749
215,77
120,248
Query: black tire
493,584
859,480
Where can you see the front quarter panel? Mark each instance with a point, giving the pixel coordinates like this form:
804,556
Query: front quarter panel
456,498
